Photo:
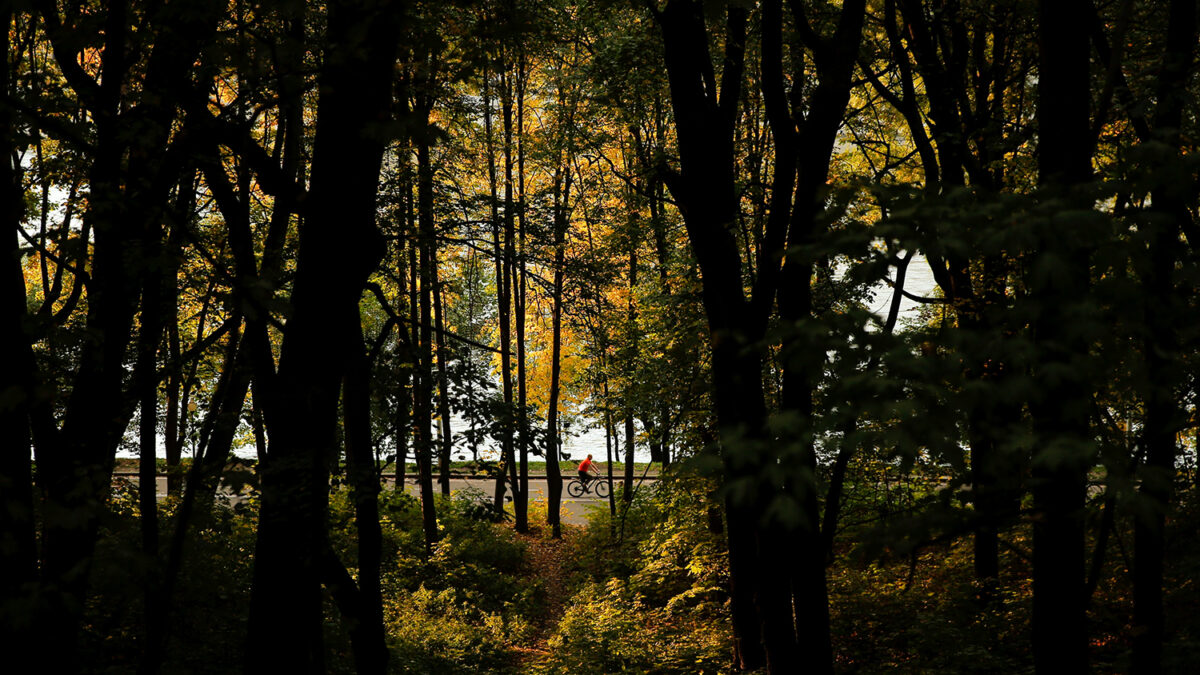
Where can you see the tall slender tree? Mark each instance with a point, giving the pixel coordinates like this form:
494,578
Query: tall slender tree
339,246
1060,284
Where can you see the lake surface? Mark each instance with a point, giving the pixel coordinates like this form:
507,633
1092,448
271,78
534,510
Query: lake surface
919,281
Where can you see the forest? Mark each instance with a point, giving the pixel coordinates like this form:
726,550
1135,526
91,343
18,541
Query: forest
307,269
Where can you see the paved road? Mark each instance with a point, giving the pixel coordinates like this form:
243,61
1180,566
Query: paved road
574,510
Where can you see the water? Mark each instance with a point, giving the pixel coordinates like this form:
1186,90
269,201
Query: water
919,282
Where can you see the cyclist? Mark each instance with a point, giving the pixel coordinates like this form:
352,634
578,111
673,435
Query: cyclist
586,468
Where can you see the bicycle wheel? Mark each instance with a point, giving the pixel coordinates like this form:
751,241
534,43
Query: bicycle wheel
601,488
575,488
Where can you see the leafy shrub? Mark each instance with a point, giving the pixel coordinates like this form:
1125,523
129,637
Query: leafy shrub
609,628
211,598
654,600
437,632
463,608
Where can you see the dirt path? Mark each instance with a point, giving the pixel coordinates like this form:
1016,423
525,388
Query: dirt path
548,562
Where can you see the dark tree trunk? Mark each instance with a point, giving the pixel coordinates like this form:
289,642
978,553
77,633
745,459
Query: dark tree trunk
658,420
173,428
366,621
522,506
609,441
1164,418
813,147
778,585
704,190
423,390
406,336
554,480
632,336
563,178
172,432
18,553
502,249
630,446
247,357
516,285
150,322
1061,417
339,247
443,358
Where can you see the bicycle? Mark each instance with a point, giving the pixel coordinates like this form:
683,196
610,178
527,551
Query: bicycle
597,486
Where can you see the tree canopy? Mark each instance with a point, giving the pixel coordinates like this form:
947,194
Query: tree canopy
331,257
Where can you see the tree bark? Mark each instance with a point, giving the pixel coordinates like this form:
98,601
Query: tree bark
151,326
339,246
704,191
516,284
554,480
778,587
501,252
423,391
405,336
1060,418
947,57
522,78
1163,417
18,545
443,358
366,623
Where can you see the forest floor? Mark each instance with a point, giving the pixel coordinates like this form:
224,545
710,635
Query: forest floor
547,558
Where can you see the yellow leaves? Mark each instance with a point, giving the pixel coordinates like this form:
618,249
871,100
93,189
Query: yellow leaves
91,59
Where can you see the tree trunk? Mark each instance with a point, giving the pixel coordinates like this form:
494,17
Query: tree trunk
1164,417
1060,419
631,318
339,247
406,336
443,358
423,392
812,149
516,285
18,551
367,631
172,432
627,493
173,427
554,481
501,250
609,433
146,377
522,501
947,61
704,190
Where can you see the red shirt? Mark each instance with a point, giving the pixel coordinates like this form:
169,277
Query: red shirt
585,465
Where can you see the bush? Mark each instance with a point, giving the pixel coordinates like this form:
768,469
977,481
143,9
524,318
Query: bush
609,628
463,608
438,632
654,600
211,598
